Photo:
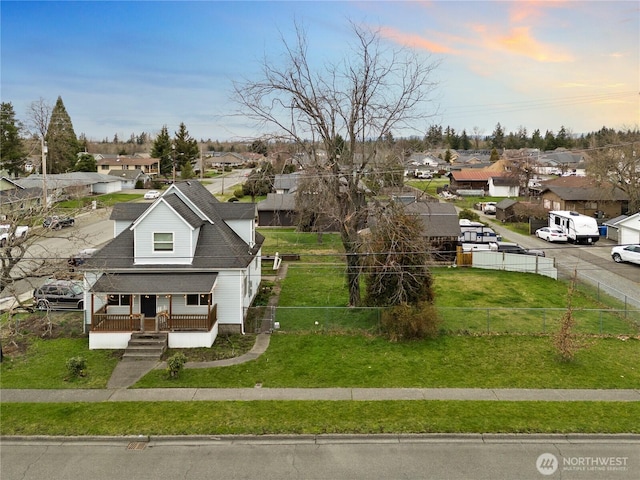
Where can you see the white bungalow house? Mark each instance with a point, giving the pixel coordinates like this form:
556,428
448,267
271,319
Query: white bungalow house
185,264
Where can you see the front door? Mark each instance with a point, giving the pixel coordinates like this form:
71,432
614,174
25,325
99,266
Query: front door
148,308
148,305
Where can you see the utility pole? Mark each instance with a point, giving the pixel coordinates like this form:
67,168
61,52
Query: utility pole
44,150
173,150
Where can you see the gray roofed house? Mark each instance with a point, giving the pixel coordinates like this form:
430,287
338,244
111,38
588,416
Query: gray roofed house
61,186
440,225
584,195
286,182
131,177
278,210
185,265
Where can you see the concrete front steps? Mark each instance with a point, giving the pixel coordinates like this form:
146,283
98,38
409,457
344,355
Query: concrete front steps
146,346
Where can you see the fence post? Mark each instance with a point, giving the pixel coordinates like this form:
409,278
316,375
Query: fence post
600,321
544,321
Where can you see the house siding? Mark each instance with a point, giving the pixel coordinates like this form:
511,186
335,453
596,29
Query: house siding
229,297
244,229
163,219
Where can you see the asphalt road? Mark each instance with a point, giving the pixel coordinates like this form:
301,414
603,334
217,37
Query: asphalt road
477,457
592,263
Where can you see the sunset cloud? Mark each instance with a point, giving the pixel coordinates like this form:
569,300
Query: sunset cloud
519,41
415,41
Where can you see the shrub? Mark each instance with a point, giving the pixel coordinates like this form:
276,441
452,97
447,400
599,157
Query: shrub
469,215
175,364
410,322
76,366
238,192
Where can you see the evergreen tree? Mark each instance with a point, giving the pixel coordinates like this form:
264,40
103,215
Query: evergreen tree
549,141
465,142
536,140
433,139
61,140
495,156
12,150
186,147
162,149
186,171
563,139
258,146
86,163
497,138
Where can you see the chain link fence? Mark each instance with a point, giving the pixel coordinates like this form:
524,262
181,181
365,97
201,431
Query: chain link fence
466,320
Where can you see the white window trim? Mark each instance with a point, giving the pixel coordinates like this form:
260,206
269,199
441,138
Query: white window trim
163,251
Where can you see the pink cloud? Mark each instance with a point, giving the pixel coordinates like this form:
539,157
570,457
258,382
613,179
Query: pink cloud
415,41
520,42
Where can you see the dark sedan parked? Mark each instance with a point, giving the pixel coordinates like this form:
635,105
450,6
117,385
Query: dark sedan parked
56,222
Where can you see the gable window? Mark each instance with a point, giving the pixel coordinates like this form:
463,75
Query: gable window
162,242
199,299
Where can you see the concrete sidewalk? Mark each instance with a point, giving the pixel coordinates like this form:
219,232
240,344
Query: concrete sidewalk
309,394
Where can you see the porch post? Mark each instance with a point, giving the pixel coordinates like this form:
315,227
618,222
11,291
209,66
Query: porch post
84,323
170,311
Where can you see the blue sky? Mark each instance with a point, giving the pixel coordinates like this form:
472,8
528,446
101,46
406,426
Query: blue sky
132,67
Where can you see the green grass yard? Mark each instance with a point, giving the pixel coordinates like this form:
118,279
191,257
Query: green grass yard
503,342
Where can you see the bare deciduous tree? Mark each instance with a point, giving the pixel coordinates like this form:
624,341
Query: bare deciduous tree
338,116
38,117
620,165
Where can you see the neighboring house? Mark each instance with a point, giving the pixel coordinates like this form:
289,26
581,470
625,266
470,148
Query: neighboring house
629,230
504,187
584,195
185,264
130,178
278,209
286,182
561,162
441,226
62,186
227,160
612,227
16,199
109,163
487,180
505,210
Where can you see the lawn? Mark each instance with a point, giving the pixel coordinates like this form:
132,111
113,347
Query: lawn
318,417
343,350
503,338
499,361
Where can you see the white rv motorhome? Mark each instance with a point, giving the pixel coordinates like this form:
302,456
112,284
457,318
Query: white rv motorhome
476,232
579,228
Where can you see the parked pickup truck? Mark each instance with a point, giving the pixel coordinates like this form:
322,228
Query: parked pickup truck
56,222
9,237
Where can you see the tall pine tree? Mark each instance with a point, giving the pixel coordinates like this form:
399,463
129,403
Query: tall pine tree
186,147
12,150
162,149
61,141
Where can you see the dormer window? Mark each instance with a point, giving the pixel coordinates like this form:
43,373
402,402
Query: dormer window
162,242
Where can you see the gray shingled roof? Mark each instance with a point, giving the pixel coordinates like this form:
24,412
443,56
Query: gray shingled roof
128,211
438,218
218,247
153,283
278,202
